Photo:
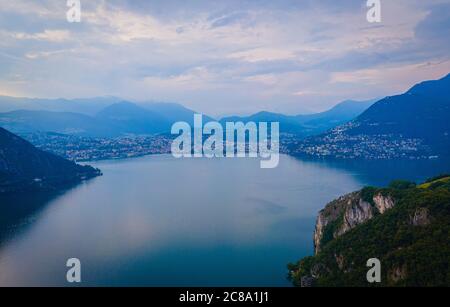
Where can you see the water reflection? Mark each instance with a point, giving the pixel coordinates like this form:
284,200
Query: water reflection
20,210
382,172
157,221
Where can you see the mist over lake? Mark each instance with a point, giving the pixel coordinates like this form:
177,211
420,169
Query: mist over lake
160,221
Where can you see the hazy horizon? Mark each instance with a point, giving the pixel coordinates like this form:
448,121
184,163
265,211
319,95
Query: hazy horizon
149,102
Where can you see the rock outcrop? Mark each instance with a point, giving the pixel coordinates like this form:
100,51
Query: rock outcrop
405,226
420,217
347,212
383,203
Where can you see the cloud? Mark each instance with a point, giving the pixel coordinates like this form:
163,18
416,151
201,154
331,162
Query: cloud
194,79
305,93
46,54
390,80
434,30
268,79
118,26
47,35
234,56
226,20
262,55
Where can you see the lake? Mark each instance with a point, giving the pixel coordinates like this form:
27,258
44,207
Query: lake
158,221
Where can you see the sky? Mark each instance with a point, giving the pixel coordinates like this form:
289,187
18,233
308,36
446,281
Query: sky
223,57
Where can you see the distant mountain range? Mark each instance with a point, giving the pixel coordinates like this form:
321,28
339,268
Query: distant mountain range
128,118
108,117
310,124
413,124
117,119
24,167
339,114
86,106
26,121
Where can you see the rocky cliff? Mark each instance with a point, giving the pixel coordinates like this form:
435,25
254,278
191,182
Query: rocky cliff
405,226
347,212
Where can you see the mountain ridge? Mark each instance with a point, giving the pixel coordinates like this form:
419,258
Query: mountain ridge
308,124
125,118
414,124
24,167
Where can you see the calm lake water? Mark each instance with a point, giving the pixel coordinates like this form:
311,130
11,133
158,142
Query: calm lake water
157,221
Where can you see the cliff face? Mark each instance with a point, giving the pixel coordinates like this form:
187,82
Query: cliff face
24,167
345,213
383,203
405,226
